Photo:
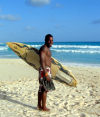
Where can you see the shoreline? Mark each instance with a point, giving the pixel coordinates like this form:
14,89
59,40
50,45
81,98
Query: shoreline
19,88
65,63
81,64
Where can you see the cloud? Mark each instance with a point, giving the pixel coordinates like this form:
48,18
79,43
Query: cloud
96,21
9,17
38,3
29,28
58,5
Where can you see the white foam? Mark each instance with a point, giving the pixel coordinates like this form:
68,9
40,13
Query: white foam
69,46
77,51
3,48
80,64
74,46
36,46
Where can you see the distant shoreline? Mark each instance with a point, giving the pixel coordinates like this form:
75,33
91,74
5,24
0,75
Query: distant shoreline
66,64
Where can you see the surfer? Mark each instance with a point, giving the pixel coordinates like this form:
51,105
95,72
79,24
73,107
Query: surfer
45,81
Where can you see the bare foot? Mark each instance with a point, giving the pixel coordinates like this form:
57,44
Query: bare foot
45,109
39,107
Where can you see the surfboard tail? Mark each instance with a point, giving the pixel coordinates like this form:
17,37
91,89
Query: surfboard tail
66,78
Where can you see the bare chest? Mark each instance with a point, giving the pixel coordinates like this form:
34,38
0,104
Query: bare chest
48,53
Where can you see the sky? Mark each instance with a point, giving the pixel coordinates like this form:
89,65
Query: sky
66,20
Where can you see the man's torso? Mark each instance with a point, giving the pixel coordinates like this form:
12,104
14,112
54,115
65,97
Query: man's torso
47,55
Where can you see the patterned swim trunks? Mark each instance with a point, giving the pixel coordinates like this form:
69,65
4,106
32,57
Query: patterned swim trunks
44,84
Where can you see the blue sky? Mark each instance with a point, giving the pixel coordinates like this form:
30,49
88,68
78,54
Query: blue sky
66,20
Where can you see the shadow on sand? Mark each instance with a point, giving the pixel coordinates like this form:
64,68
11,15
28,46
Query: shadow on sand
4,96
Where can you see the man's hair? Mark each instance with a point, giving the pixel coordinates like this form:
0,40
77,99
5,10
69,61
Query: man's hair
47,37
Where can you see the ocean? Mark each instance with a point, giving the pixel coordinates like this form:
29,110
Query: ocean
77,53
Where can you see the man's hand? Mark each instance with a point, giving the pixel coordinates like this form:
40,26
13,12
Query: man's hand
48,78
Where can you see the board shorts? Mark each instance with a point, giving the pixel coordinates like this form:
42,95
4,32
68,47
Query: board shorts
45,85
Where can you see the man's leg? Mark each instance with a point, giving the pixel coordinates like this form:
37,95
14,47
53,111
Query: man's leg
39,100
44,97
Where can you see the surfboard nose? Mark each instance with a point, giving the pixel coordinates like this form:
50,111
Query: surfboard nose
12,45
9,44
19,48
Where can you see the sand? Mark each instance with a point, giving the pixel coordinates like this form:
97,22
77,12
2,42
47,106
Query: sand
19,87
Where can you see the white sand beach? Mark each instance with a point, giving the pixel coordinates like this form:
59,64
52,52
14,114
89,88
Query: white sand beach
19,88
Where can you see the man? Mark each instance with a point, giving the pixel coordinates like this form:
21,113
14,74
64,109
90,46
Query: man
45,80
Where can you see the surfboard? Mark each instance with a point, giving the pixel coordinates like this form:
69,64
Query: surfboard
31,56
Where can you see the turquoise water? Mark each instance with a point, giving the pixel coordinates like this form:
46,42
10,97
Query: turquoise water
65,52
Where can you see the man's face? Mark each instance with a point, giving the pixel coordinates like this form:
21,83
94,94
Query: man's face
50,42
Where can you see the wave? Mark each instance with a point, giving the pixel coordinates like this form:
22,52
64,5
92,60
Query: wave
77,51
62,48
36,46
1,43
74,46
69,46
3,48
